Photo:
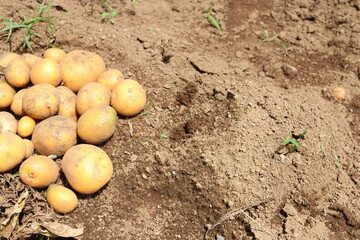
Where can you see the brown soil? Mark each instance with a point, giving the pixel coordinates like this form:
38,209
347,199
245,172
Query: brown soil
226,100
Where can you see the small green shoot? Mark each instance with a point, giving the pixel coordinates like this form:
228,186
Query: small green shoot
212,19
237,117
144,113
292,142
133,2
191,111
165,136
275,39
338,165
358,232
325,213
109,13
322,147
15,176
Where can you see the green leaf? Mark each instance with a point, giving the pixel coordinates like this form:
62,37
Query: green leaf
112,20
295,143
104,15
214,22
164,136
303,134
113,14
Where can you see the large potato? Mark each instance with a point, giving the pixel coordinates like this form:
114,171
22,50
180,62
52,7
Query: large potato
46,71
87,168
80,67
67,106
12,151
8,123
41,101
92,94
97,124
54,136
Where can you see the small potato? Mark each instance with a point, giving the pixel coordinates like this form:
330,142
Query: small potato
61,199
30,59
6,58
46,71
8,123
55,53
110,78
7,93
80,67
25,126
67,106
339,93
12,151
29,148
38,171
128,98
41,101
97,124
16,105
17,73
92,94
54,136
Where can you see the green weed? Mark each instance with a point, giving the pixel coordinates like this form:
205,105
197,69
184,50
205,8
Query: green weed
212,19
237,117
165,136
109,13
144,113
322,147
266,38
42,15
292,142
133,1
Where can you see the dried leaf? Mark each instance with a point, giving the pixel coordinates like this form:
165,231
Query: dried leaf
55,229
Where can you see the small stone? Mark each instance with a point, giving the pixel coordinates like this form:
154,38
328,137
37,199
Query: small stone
219,237
282,158
238,54
290,210
148,169
133,158
144,176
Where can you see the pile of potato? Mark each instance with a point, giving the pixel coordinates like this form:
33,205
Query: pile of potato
62,105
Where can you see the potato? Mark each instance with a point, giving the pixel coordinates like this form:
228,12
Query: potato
46,71
339,93
12,151
128,98
7,93
17,73
16,105
41,101
61,199
6,58
54,136
92,94
110,78
56,54
38,171
87,168
29,146
67,106
80,67
8,123
30,59
25,126
97,124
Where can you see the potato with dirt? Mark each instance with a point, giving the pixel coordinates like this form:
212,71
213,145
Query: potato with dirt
97,124
12,151
91,95
56,54
87,168
54,136
111,78
7,93
38,171
16,104
17,73
67,107
8,122
41,101
81,67
5,58
30,59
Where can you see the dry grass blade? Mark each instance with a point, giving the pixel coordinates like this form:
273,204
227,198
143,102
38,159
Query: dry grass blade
235,212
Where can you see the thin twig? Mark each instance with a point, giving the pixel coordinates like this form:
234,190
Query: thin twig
235,212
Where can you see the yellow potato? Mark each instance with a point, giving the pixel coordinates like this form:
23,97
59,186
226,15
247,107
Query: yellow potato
54,53
7,93
111,78
67,106
25,126
8,123
6,58
16,105
46,71
17,73
54,136
29,148
97,124
41,101
92,94
80,67
30,59
12,151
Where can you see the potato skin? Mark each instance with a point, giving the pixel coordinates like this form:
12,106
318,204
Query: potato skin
41,101
61,199
67,106
54,136
30,59
97,124
80,67
8,122
92,94
7,93
17,73
128,98
87,168
16,104
12,151
38,171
